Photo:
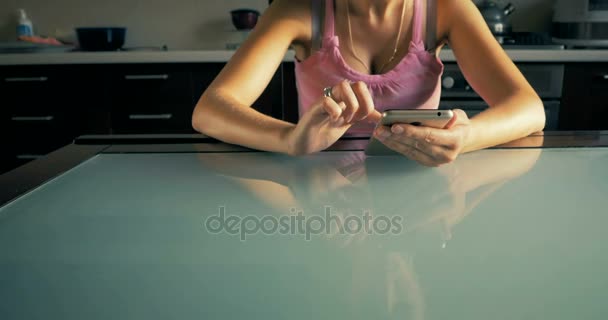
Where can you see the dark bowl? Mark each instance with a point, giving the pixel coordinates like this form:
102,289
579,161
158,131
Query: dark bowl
101,38
244,19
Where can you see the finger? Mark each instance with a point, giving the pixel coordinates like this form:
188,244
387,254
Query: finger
410,152
439,153
374,117
452,121
439,137
345,94
366,102
406,150
330,107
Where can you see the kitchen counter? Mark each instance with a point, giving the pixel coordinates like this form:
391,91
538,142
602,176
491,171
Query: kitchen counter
202,56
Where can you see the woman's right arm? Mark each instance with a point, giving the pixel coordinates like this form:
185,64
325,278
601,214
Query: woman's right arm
224,110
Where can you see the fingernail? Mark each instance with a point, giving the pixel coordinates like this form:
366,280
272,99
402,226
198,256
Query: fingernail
397,129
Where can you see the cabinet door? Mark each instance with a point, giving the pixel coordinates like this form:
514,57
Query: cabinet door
46,107
585,98
150,99
35,111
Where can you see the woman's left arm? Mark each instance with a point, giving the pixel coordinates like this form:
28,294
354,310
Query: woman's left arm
515,109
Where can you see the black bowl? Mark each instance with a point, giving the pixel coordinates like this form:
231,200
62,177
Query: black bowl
101,38
244,19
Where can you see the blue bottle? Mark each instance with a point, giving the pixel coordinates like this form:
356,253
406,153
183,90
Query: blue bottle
24,26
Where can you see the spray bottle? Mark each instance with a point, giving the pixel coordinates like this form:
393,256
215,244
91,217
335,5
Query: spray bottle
24,26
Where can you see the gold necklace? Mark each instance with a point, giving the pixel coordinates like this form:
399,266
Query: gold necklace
352,48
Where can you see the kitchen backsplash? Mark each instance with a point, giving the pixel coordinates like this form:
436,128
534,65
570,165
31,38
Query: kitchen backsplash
181,24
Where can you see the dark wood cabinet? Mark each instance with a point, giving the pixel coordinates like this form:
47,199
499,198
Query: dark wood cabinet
585,97
43,109
46,107
150,99
290,93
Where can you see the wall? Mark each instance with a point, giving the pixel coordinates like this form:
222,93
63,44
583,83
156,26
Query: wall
180,24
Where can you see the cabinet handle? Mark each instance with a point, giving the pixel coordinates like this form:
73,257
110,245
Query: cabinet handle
600,78
147,77
29,156
26,79
43,118
163,116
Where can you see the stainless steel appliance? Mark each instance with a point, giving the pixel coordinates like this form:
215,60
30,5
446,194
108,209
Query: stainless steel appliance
581,23
497,18
546,79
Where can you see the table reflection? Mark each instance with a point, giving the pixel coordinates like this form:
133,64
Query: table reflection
431,203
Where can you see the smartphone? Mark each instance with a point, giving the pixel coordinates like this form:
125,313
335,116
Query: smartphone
430,118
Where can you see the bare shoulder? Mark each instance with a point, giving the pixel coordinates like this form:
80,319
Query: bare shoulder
445,12
451,12
293,14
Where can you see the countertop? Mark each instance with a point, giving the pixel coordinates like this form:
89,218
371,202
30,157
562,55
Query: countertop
202,56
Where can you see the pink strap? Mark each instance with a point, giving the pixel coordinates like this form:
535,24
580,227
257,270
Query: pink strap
329,18
417,23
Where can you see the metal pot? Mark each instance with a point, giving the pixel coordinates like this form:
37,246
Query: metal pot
101,39
497,18
244,19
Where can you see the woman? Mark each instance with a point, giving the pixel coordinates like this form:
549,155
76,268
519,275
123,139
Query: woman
371,57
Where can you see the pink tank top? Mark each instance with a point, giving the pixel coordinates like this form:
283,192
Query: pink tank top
414,83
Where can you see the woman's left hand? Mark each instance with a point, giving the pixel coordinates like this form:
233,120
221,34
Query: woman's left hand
429,146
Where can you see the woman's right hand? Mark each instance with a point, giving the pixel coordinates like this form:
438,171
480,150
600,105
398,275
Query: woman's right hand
329,118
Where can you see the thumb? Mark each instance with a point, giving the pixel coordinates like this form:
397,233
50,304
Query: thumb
374,117
459,117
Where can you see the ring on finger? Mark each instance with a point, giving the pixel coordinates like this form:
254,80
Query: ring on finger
327,92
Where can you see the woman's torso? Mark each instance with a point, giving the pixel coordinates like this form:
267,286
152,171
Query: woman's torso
413,83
